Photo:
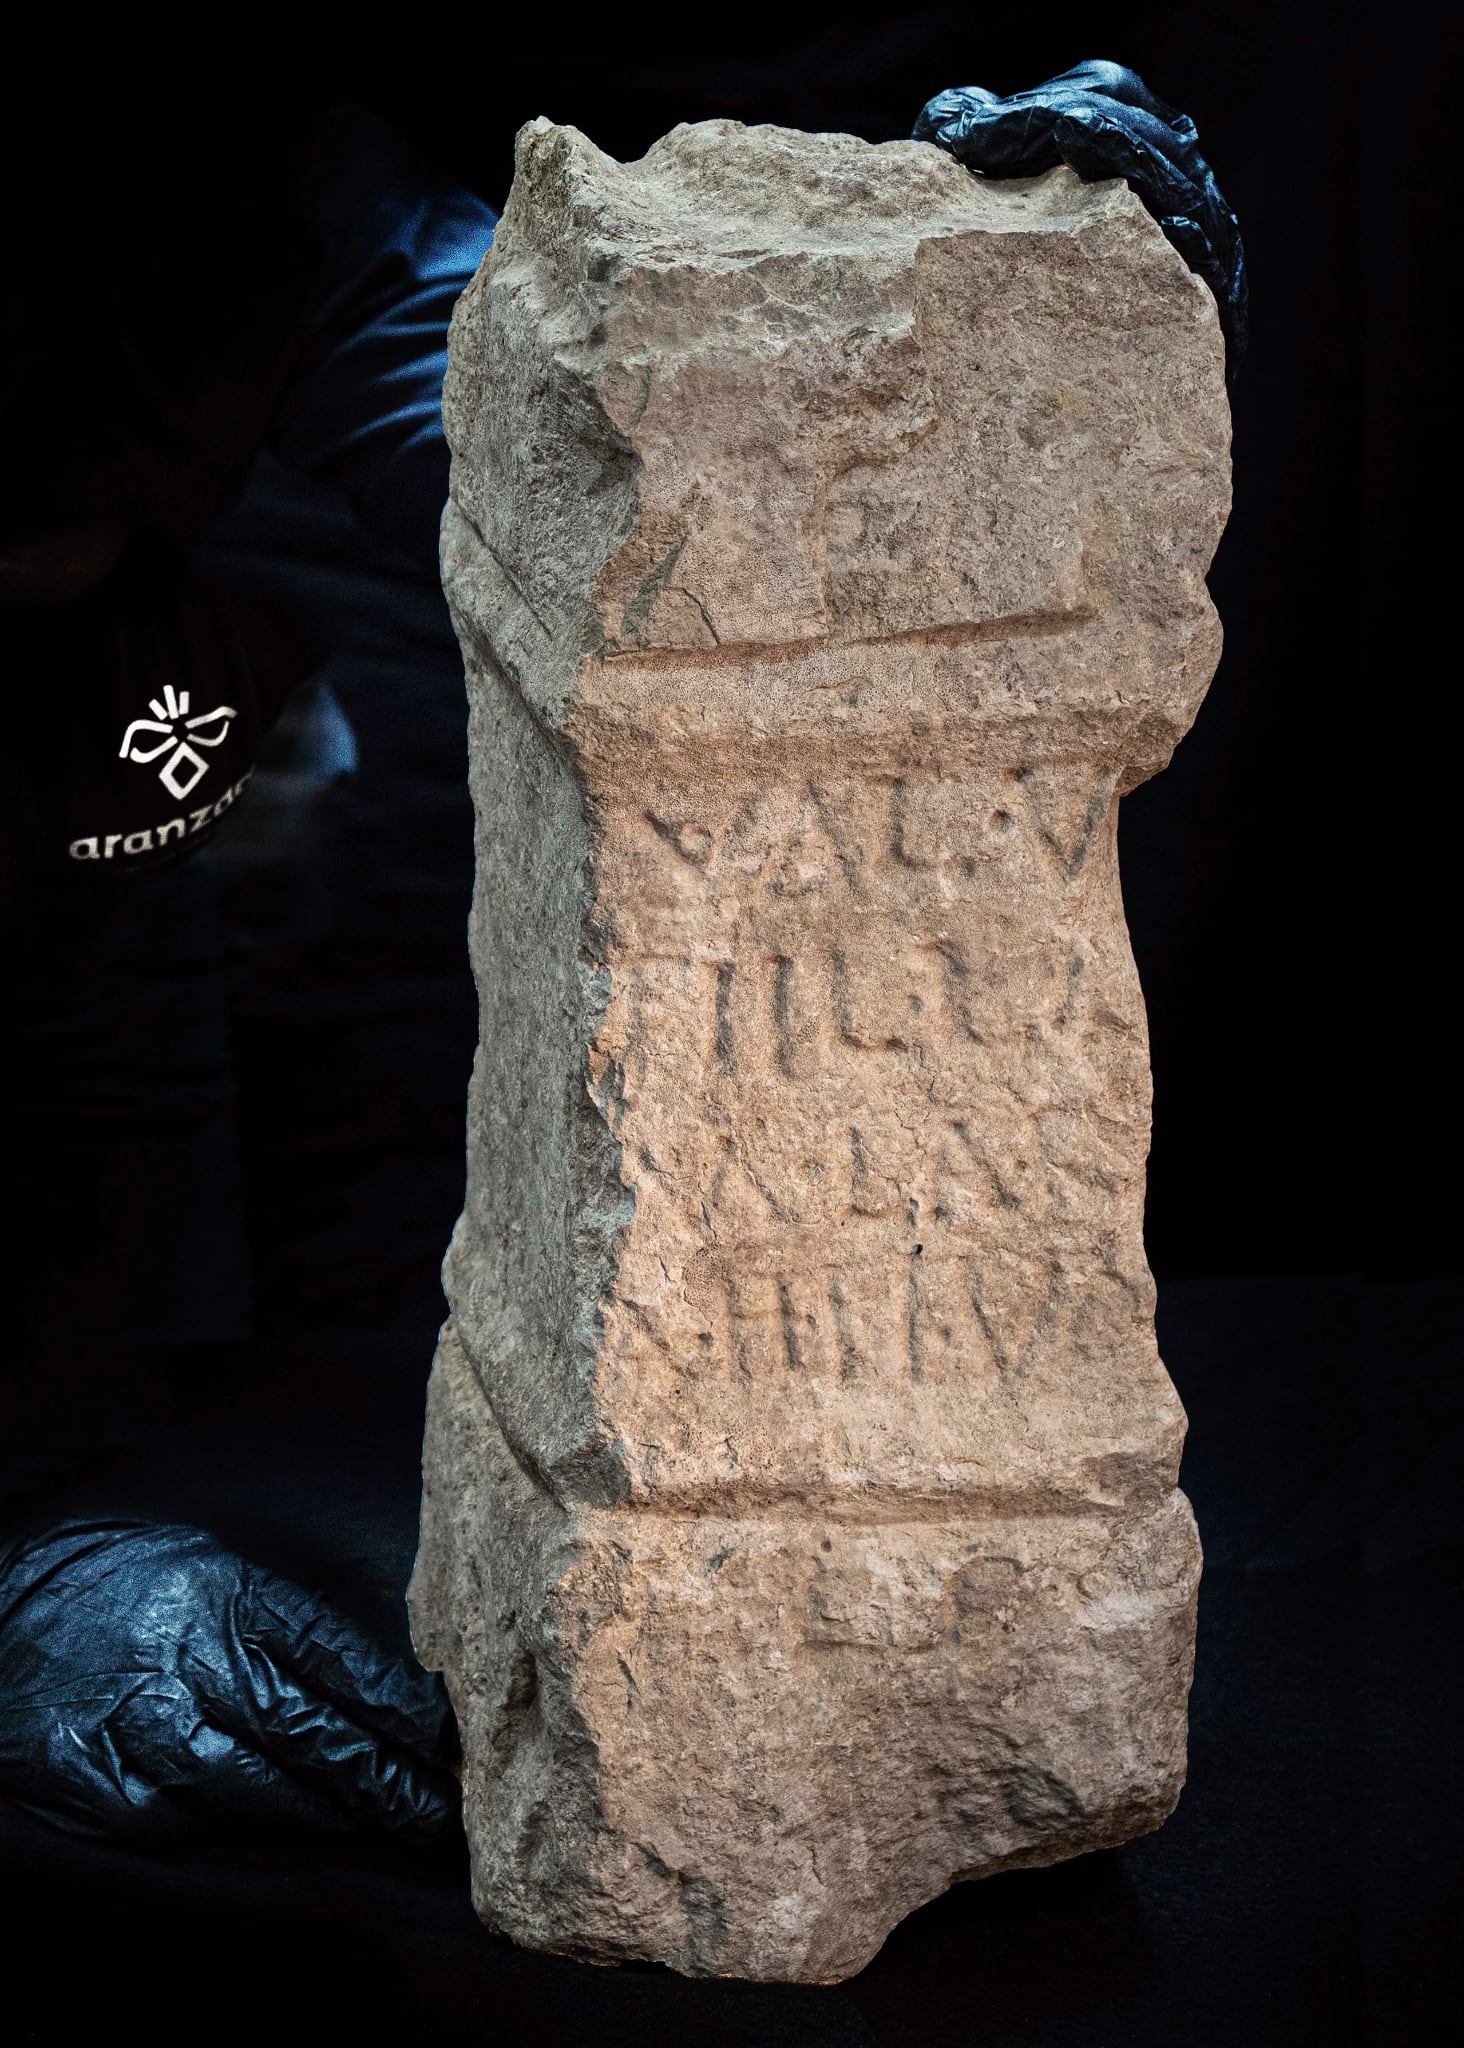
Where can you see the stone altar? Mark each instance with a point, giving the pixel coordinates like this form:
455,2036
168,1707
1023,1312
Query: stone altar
800,1533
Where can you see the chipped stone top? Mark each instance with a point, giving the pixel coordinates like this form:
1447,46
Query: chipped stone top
718,193
805,394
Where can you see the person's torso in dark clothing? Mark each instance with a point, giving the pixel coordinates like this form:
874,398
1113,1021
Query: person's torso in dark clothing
300,315
135,720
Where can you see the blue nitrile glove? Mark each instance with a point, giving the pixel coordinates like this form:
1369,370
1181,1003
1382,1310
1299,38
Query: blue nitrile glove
152,1683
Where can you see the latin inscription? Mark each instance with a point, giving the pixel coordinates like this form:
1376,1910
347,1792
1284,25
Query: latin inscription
889,1101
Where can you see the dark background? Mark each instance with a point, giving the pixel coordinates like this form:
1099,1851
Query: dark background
1290,894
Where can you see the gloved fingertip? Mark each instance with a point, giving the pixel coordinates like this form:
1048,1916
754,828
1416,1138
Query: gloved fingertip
424,1809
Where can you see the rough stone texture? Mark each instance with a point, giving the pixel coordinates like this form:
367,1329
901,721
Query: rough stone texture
827,542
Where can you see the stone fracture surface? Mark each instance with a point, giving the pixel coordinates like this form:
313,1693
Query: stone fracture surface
827,543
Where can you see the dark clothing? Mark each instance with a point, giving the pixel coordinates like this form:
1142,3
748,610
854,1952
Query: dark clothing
305,323
136,724
257,393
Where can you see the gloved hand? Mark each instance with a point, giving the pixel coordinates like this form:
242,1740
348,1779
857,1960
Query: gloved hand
1103,122
151,1682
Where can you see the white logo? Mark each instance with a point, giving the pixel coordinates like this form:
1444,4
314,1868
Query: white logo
209,729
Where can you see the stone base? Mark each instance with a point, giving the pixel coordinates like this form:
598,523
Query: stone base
750,1746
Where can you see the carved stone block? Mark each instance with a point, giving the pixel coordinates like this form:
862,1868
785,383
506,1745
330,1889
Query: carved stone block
827,542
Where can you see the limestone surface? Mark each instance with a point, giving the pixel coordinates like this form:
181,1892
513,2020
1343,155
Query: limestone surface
827,546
